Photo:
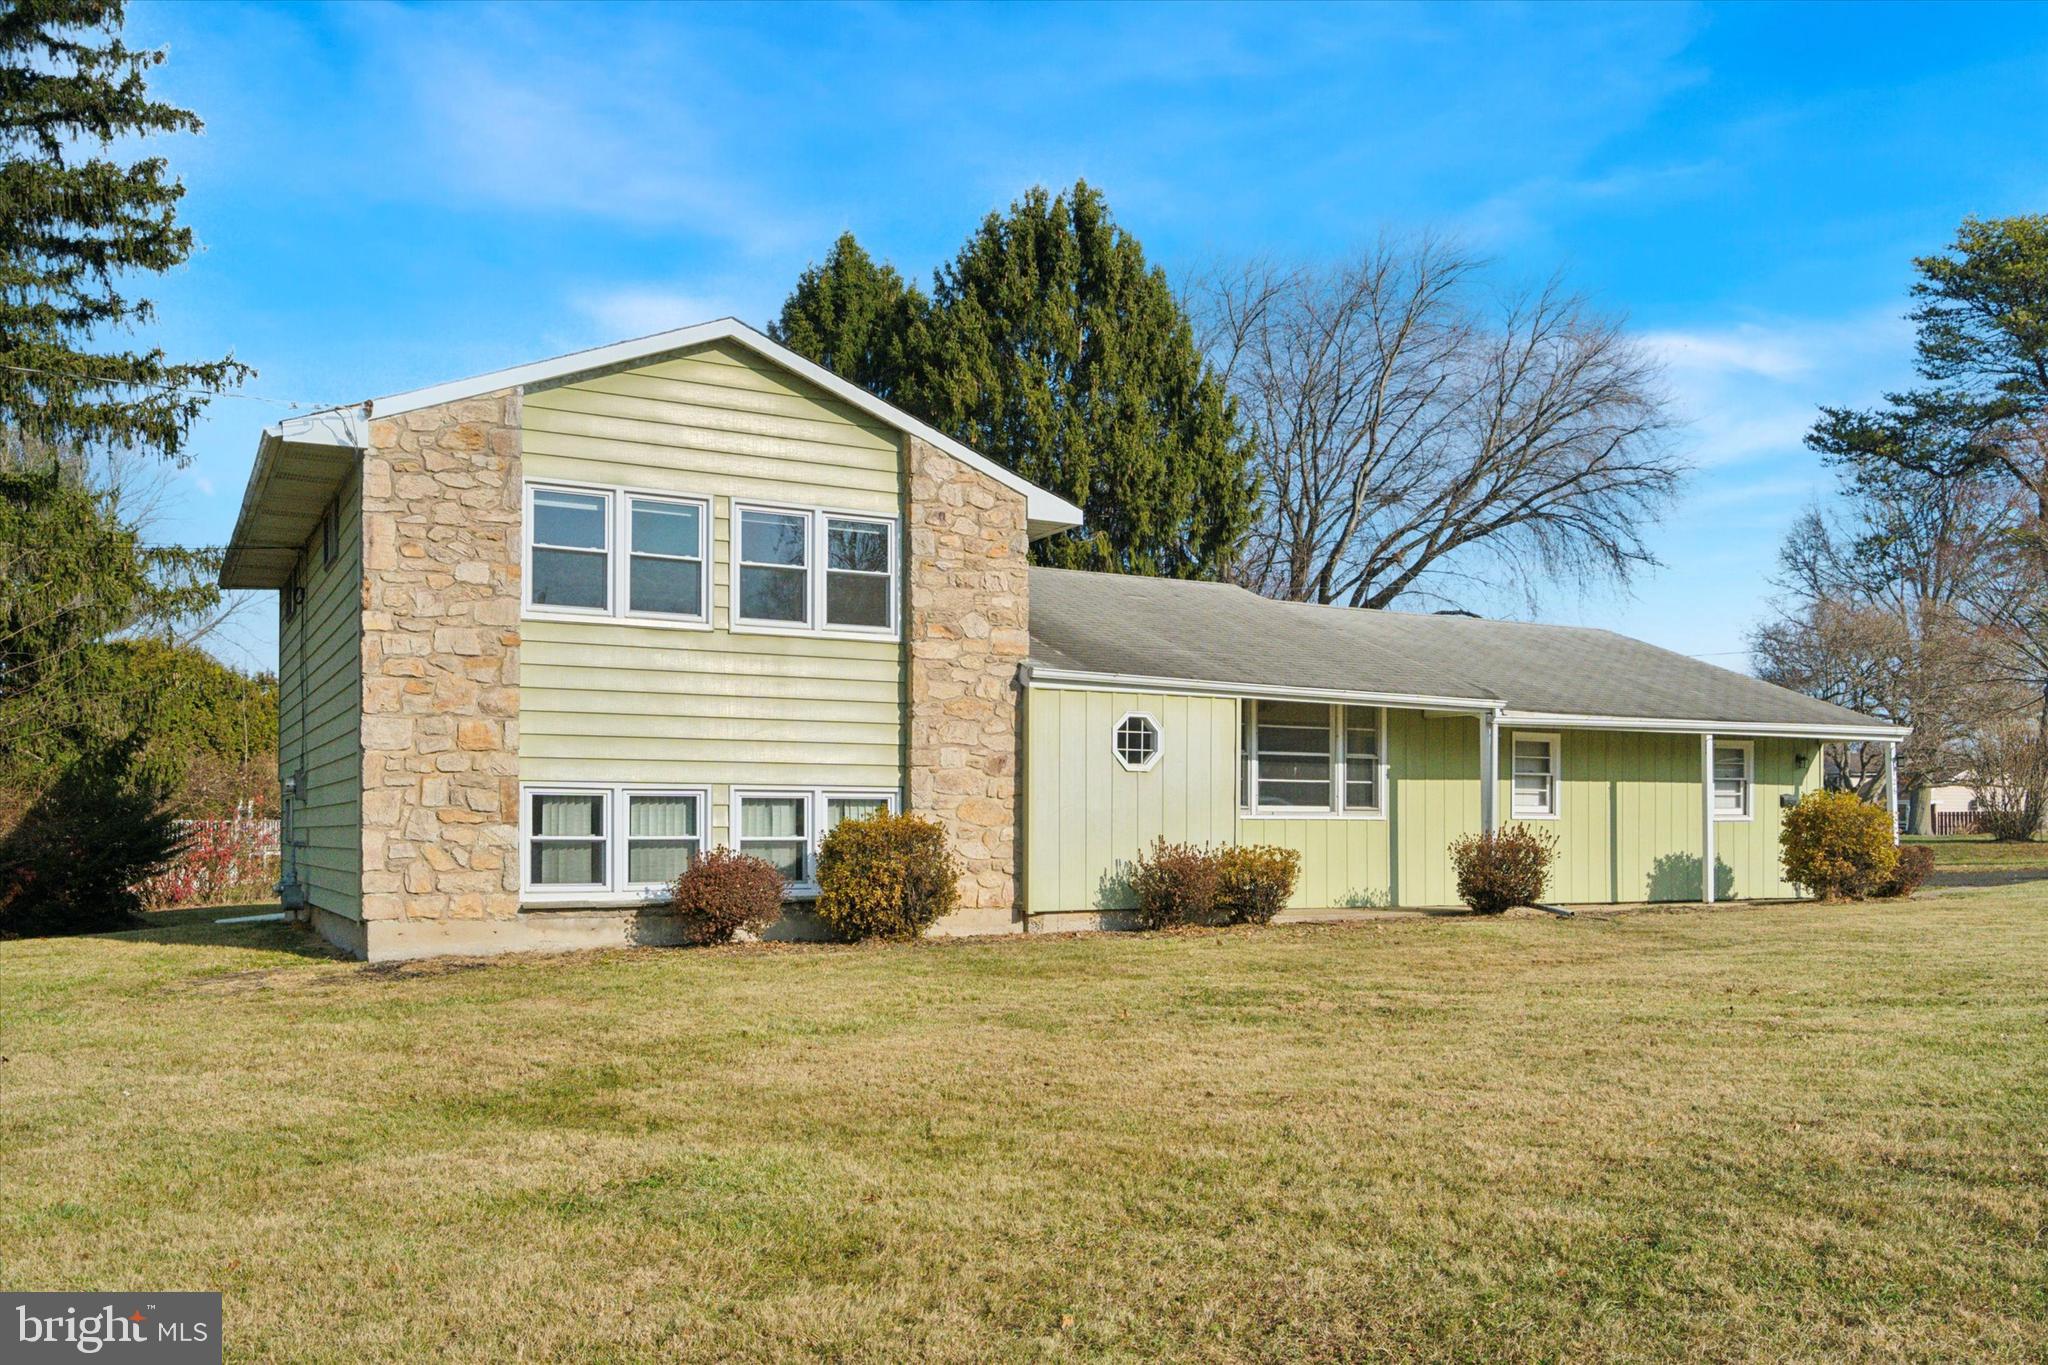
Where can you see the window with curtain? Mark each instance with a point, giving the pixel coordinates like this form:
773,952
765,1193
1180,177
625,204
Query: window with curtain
1362,758
776,829
839,808
774,566
665,564
1731,781
566,838
1293,751
568,564
859,574
664,834
1534,777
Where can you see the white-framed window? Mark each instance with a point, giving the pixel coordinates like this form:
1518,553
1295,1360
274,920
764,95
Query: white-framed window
568,557
668,564
585,841
1734,778
773,584
1313,758
568,839
663,832
629,553
1136,741
860,573
786,826
809,569
1532,776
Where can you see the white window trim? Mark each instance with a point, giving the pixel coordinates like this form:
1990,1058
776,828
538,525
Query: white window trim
816,556
1748,750
815,799
1249,746
1556,775
615,890
1158,741
618,520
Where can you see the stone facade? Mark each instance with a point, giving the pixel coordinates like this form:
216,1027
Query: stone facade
969,634
440,652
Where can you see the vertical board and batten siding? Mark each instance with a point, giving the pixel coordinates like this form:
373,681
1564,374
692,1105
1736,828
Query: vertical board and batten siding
616,701
319,715
1630,803
1087,816
1629,826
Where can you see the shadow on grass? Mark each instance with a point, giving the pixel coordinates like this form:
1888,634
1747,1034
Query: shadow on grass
200,926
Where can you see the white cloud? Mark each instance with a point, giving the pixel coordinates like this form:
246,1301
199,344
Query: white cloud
1751,391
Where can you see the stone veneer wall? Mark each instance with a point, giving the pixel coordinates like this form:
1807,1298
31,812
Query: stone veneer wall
969,634
440,727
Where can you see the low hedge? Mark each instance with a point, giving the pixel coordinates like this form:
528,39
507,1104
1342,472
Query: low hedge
886,876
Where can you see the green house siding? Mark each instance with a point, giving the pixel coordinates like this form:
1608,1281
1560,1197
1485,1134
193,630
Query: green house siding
319,713
1628,824
1628,827
1086,816
614,701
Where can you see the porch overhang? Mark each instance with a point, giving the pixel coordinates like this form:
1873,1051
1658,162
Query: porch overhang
301,463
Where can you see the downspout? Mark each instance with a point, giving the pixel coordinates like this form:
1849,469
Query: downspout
291,891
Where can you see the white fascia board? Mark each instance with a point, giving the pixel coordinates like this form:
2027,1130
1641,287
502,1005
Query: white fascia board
1047,512
1036,675
1658,724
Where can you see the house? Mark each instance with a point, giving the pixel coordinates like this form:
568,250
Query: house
548,632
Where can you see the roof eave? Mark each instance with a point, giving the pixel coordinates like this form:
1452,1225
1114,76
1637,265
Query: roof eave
260,542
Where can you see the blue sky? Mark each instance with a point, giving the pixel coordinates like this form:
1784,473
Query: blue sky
392,195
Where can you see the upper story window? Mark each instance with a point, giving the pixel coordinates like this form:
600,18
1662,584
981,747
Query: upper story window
808,570
570,565
775,566
1313,758
1732,779
1533,777
614,552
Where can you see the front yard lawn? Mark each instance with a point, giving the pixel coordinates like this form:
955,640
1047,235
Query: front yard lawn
1980,851
1794,1131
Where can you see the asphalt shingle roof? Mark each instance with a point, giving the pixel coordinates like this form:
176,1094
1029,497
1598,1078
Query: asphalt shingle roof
1211,632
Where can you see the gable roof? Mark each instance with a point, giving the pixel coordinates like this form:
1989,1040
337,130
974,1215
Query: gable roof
1176,635
301,461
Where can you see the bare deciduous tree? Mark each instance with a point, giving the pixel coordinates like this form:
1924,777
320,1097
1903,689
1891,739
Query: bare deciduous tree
1416,432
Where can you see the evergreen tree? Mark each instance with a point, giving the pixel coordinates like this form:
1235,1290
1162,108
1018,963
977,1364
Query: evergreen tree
856,318
1050,346
76,224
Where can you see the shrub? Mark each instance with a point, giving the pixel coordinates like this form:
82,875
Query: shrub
1915,862
722,892
1837,845
1254,881
1174,884
2009,774
222,861
72,863
886,876
1506,868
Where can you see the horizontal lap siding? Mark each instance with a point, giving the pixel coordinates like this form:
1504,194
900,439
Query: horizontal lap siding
320,690
617,702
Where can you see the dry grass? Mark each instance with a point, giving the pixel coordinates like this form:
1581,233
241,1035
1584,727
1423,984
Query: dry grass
1813,1132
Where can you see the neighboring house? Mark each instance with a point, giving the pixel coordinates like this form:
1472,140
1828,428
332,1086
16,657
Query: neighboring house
546,633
